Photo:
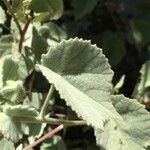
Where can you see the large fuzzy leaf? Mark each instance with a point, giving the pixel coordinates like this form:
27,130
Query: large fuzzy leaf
82,76
133,133
83,65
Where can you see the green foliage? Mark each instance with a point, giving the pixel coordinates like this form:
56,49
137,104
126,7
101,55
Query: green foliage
39,45
54,143
10,128
6,144
132,133
47,8
50,77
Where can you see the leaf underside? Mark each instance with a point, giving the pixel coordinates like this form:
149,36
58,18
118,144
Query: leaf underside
82,76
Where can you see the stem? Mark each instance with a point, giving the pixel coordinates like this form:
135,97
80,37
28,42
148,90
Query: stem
48,135
51,121
22,35
45,105
13,15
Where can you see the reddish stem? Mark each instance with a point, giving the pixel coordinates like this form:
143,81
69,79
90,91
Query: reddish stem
22,35
48,135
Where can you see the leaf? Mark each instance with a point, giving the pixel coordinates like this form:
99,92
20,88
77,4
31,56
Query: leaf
8,69
36,130
132,133
83,7
119,84
34,100
2,16
10,128
6,45
20,8
13,91
20,111
53,33
145,77
83,65
54,143
39,45
77,68
53,8
6,144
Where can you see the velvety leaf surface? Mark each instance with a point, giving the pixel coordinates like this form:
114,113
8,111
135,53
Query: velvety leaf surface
8,69
13,91
9,128
6,144
20,111
132,133
145,76
82,76
39,45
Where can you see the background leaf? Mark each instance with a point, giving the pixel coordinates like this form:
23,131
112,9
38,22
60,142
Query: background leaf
39,45
53,9
9,128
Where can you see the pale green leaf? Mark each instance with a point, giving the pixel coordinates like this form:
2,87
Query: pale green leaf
8,69
6,144
119,84
10,128
20,111
13,91
53,8
36,130
83,65
82,76
2,16
131,134
54,143
83,7
6,44
34,100
53,32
